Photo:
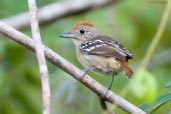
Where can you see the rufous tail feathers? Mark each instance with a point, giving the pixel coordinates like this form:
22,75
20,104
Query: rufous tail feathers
126,68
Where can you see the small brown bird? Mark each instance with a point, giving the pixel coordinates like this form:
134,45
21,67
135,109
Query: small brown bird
98,52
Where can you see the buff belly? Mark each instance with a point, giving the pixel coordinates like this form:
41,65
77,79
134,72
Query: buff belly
101,65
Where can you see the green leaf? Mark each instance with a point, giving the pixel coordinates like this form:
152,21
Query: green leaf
168,84
144,85
157,103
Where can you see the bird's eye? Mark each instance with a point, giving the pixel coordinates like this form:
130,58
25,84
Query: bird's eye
82,31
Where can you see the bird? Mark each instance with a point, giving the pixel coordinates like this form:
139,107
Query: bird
98,52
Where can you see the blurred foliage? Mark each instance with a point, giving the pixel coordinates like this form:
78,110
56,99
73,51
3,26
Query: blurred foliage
168,84
150,108
144,85
130,22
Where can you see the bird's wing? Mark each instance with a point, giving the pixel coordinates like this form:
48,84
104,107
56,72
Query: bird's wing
105,46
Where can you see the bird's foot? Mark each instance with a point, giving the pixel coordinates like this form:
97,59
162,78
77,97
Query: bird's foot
87,70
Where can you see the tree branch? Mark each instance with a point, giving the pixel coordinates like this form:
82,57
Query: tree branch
55,11
70,69
40,56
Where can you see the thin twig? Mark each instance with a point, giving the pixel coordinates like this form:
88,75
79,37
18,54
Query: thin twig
76,73
56,11
157,36
40,56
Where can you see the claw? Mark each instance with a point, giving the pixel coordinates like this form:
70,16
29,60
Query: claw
87,70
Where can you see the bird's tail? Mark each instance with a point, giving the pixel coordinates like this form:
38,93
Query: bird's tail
126,68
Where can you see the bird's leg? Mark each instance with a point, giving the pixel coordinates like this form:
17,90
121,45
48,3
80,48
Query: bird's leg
87,70
102,98
110,84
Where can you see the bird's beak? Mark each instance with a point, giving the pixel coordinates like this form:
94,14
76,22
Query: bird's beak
68,35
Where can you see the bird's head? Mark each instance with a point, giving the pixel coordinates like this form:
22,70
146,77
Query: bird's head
81,32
